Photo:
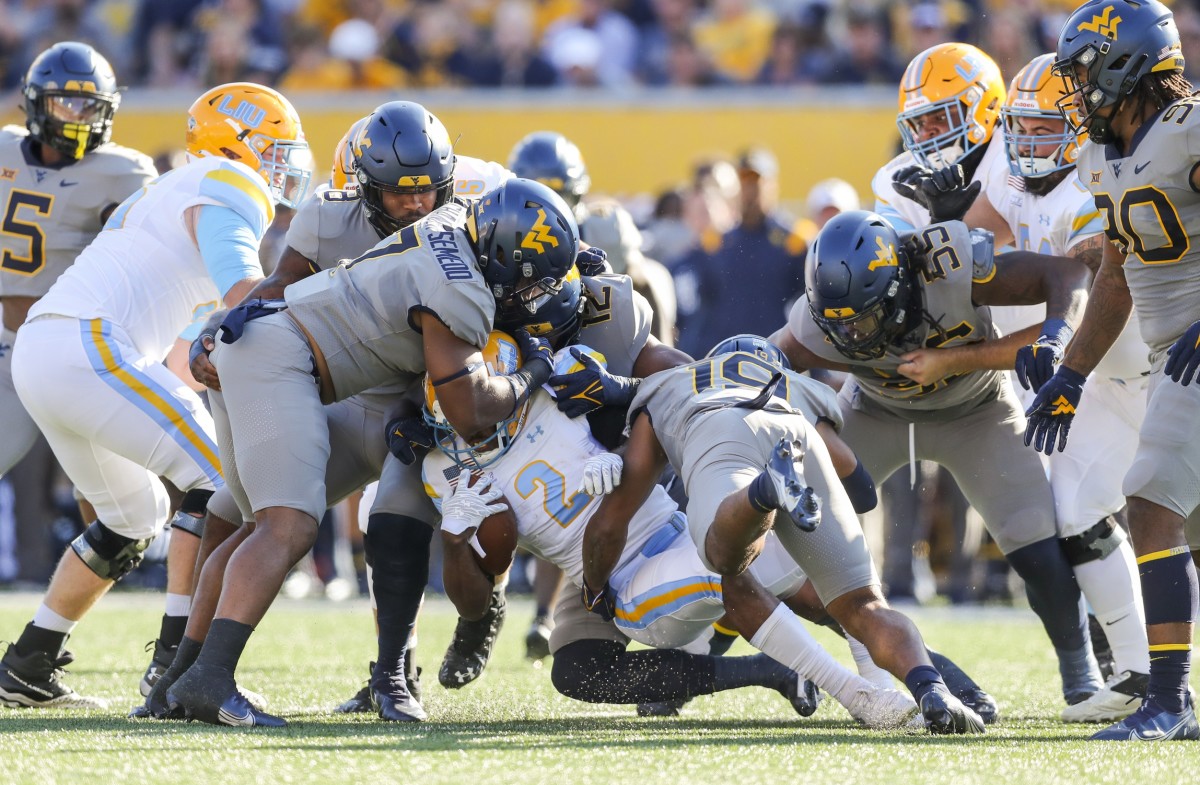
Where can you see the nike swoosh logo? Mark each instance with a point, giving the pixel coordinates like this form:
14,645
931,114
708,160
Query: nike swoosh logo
65,184
1138,169
229,718
1114,621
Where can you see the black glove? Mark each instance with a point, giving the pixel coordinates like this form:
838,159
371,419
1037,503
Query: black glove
591,388
1184,356
405,435
945,192
1050,414
601,603
1037,362
592,261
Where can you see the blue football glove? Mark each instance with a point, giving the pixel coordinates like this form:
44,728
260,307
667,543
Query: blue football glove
1183,358
405,435
601,603
592,261
534,349
1037,362
1050,414
591,388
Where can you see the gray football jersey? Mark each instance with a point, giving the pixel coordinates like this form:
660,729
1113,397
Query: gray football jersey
359,312
616,321
331,225
50,214
960,263
673,398
1151,211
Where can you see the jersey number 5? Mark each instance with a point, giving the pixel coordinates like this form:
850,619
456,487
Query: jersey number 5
28,231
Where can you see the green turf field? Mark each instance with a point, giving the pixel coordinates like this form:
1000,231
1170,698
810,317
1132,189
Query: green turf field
511,728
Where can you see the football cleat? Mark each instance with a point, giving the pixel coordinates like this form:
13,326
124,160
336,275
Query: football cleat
669,708
471,648
981,703
213,697
804,695
392,700
791,496
880,709
361,702
1151,722
945,714
34,680
237,711
159,662
1119,698
537,640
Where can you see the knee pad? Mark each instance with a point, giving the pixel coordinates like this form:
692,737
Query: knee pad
190,515
110,555
1095,543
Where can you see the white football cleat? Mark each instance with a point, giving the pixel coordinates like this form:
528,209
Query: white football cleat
882,709
1117,699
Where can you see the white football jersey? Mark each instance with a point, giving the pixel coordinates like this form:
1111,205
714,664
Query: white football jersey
1054,224
144,272
904,214
540,476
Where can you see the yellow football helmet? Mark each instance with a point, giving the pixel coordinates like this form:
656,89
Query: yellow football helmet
1036,93
964,87
256,125
501,356
342,173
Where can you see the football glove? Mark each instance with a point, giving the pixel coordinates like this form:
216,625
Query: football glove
592,261
1050,414
600,603
601,473
534,349
591,388
1184,356
467,505
1037,362
405,435
945,192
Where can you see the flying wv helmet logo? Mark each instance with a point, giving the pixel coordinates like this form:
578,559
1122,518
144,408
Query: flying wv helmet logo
245,112
885,256
1062,406
1103,24
539,235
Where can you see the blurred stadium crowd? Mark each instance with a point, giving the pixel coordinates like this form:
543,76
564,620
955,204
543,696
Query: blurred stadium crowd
302,45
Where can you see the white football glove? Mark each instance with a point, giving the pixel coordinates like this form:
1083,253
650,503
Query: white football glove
467,506
601,473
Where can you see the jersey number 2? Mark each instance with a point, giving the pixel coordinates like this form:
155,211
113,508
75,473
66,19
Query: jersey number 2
561,508
31,232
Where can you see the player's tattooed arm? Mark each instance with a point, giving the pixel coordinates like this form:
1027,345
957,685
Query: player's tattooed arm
1108,308
1090,252
607,530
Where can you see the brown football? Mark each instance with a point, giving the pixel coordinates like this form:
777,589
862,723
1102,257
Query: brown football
497,536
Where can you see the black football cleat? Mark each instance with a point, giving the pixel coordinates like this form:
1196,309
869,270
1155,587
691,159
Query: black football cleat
34,680
159,662
671,708
471,648
237,712
804,695
798,502
361,702
537,640
945,714
981,703
212,696
392,700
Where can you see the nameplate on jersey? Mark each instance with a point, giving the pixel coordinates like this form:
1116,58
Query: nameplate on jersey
445,249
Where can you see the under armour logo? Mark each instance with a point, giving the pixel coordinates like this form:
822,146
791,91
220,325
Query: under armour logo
1044,219
1062,406
532,437
1104,24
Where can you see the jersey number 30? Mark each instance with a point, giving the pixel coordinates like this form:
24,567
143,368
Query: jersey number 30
27,231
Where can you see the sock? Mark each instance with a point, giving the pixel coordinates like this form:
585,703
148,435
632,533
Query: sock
761,493
1170,664
170,632
36,638
49,620
224,645
784,638
867,667
599,671
922,680
1113,589
398,552
178,605
185,656
1079,671
721,642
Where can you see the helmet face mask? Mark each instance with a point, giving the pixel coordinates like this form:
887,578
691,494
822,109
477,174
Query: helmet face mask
858,285
478,451
257,126
559,320
402,149
1038,139
70,96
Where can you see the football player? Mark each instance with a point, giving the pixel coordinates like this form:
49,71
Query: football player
422,300
88,367
869,301
1034,200
736,430
553,473
1124,70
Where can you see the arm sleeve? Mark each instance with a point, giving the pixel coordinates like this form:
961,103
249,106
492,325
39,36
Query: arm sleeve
228,246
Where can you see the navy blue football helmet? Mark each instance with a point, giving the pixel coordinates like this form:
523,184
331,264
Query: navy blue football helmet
404,149
553,160
527,240
1116,43
752,344
70,95
558,320
858,284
